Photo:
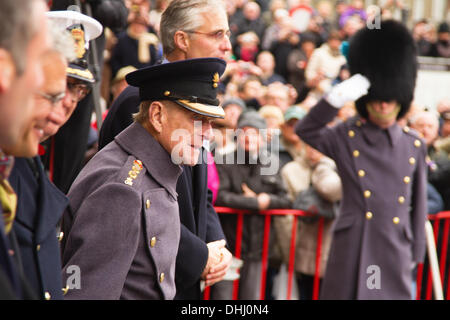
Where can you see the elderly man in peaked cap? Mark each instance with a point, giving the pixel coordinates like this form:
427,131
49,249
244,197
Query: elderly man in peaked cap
79,83
122,226
379,235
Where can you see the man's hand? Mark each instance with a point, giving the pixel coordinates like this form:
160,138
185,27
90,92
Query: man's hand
349,90
218,271
263,201
214,255
247,191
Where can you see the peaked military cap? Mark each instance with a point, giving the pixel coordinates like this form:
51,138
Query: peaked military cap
83,29
192,84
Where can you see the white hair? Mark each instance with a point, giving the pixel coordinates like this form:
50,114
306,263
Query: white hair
61,41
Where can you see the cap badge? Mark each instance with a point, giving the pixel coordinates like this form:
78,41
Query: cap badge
78,36
216,80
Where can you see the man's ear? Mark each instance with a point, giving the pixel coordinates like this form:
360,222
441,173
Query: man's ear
156,116
7,70
181,40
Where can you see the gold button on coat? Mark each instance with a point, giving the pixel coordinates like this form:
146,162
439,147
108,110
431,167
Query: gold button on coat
60,236
351,133
369,215
161,277
65,290
396,220
406,129
147,204
367,193
417,143
361,173
47,295
153,242
412,161
356,153
38,247
406,179
401,199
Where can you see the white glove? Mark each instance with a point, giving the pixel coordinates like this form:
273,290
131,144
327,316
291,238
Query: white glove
349,90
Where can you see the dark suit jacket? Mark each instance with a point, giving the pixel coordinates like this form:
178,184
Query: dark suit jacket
39,210
199,221
13,284
9,283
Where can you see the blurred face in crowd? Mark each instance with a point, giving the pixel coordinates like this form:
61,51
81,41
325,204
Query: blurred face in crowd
182,132
308,48
334,44
252,89
278,95
250,139
252,11
212,39
427,125
138,12
382,113
232,113
52,92
266,62
17,90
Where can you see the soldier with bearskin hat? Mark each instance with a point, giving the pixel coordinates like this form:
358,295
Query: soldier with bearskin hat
379,235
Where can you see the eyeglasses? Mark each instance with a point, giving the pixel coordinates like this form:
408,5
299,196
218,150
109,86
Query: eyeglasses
216,35
78,90
52,98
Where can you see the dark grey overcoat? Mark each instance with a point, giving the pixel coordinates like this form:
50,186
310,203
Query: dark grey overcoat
379,233
122,227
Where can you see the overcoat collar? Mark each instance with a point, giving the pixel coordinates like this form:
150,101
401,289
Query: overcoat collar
136,140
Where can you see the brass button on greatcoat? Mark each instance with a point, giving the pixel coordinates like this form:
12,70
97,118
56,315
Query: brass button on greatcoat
47,295
147,204
153,242
361,173
417,143
161,277
356,153
369,215
401,199
406,179
396,220
351,133
367,194
412,161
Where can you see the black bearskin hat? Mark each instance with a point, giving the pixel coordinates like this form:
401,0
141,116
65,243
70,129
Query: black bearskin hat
387,57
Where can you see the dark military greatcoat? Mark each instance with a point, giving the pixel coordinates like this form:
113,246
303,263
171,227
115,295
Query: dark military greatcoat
39,210
122,227
380,232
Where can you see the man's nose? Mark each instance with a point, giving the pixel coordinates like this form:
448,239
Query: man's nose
226,44
207,131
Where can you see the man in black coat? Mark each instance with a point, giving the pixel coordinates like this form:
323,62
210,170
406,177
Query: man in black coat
21,44
201,233
70,149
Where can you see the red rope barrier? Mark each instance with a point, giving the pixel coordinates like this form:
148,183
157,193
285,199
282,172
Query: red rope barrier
318,256
292,257
291,264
